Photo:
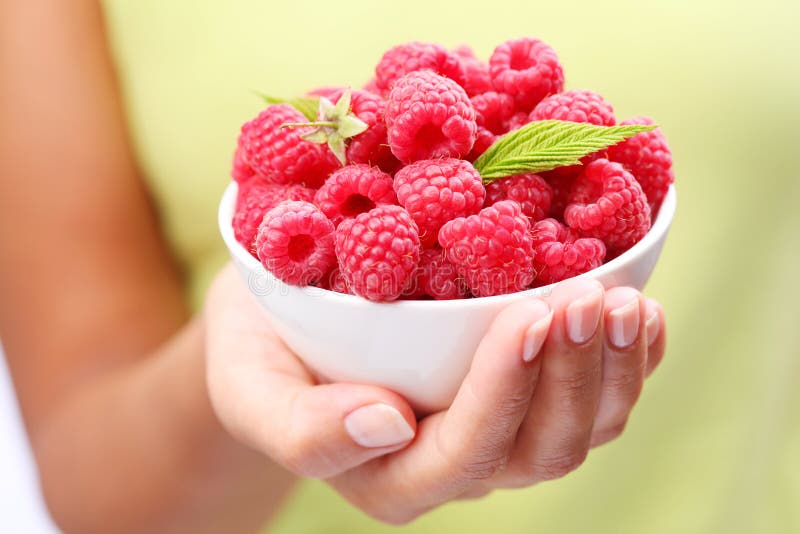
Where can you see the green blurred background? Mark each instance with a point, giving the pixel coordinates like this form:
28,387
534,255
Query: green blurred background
714,445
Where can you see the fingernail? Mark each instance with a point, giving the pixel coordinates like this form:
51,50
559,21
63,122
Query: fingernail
623,324
377,425
535,336
583,316
653,326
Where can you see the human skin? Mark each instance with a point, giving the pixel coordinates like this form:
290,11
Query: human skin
145,418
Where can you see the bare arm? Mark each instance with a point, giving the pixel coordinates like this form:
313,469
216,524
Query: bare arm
107,364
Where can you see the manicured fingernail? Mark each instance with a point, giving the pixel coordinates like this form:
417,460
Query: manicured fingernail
377,425
653,326
583,316
623,324
535,336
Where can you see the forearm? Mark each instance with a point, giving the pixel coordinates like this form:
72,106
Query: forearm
140,450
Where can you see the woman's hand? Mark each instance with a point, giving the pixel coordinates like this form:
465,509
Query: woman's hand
552,378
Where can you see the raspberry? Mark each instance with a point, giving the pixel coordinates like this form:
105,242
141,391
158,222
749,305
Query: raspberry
493,111
483,140
429,116
352,190
493,250
436,191
518,120
370,146
241,171
608,203
414,56
560,181
436,277
281,155
560,254
476,72
575,106
378,252
295,242
533,194
526,69
254,199
647,156
334,281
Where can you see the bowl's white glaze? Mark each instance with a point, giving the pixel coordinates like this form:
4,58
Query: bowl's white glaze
420,349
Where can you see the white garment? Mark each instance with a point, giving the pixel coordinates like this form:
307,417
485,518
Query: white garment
22,508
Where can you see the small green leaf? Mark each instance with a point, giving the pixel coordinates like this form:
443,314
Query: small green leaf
337,146
307,105
545,145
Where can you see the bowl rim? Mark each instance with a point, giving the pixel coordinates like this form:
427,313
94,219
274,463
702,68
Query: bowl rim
225,215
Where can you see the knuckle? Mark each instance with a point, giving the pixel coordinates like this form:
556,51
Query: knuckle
577,386
484,467
558,465
625,383
606,435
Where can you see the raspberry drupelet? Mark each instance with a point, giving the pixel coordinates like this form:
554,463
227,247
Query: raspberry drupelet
429,116
378,252
436,191
608,203
295,243
559,253
575,106
476,72
492,251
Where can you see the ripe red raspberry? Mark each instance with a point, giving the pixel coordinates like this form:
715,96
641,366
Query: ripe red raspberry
526,69
647,156
518,120
334,281
575,106
493,250
493,111
483,140
371,146
281,155
530,191
241,171
414,56
435,191
295,242
352,190
378,252
608,203
560,181
476,72
437,278
559,253
254,199
429,116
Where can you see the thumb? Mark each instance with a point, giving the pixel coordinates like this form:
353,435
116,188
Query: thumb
331,428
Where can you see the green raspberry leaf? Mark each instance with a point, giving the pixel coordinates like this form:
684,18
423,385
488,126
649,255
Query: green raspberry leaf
307,105
545,145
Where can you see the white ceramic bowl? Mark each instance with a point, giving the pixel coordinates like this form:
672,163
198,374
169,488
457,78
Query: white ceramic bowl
420,349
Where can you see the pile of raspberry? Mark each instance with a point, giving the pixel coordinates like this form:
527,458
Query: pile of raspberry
403,213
